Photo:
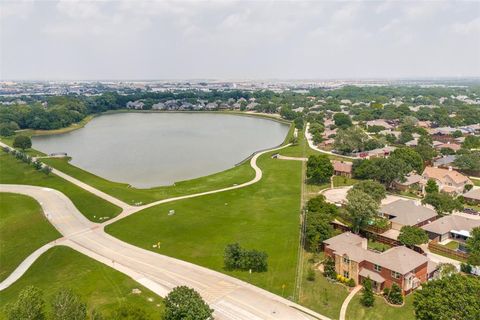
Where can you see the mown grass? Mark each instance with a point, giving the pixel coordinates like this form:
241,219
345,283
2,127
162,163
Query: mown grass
100,287
131,195
381,310
321,295
23,229
14,171
263,216
339,181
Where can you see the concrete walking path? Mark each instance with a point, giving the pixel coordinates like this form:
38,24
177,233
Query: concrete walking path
343,310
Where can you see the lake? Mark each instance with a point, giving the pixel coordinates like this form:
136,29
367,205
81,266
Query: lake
154,149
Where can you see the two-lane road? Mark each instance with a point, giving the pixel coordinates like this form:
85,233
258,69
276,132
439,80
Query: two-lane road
229,297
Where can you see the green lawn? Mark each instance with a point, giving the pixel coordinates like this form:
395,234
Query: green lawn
380,310
263,216
124,192
339,181
453,245
14,171
100,286
23,229
476,182
321,295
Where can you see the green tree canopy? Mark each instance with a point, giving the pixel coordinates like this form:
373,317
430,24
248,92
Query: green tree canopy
431,186
443,202
67,305
28,306
453,297
361,208
372,188
411,236
350,139
319,169
185,303
22,142
468,161
473,247
342,120
367,298
410,157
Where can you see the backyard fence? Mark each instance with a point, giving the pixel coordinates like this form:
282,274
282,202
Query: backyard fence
435,247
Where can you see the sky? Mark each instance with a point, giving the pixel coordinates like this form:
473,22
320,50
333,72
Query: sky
148,40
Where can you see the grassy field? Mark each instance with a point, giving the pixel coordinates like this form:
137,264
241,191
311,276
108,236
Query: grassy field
124,192
14,171
453,245
263,216
339,181
381,310
100,286
321,295
23,229
476,182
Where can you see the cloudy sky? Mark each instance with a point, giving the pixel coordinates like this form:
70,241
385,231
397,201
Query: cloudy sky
238,39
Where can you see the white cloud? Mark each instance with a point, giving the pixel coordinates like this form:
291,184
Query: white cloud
471,27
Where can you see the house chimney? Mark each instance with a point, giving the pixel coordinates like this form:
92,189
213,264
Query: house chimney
449,168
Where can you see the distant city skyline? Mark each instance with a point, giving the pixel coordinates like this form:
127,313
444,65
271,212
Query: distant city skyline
232,40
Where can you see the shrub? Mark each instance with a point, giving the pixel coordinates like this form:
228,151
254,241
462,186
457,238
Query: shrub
37,164
185,303
394,295
351,283
46,169
466,268
311,274
235,257
22,142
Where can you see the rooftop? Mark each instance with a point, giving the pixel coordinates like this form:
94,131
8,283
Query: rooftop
440,174
407,212
451,222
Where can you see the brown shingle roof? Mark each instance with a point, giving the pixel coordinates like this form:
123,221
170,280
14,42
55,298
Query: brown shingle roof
451,222
440,174
342,166
407,212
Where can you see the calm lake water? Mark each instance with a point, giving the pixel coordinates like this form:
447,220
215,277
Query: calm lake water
153,149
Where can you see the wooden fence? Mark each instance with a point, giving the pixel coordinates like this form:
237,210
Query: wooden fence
435,247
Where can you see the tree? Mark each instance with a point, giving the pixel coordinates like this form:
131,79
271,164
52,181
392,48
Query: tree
128,312
22,142
185,303
67,305
447,151
457,134
46,169
410,157
8,128
468,161
350,139
367,298
473,247
446,269
298,123
361,208
471,142
319,169
443,202
431,186
329,268
372,188
342,120
425,148
317,230
453,297
411,236
394,294
235,257
28,306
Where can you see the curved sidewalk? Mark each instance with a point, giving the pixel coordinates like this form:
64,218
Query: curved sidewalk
343,310
308,136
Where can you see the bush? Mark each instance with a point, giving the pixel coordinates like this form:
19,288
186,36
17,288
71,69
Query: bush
311,274
37,164
466,268
46,169
394,295
22,142
351,283
235,257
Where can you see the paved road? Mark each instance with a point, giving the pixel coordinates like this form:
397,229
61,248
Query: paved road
229,297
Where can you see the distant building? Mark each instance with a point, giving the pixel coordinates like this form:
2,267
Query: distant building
472,196
448,180
451,227
341,168
407,213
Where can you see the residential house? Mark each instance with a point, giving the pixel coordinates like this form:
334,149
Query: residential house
455,147
407,213
342,168
381,123
399,265
411,180
375,153
445,161
472,196
448,180
451,227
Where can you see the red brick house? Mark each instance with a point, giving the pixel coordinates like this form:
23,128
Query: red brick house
399,265
341,168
